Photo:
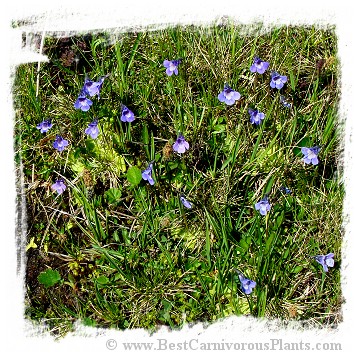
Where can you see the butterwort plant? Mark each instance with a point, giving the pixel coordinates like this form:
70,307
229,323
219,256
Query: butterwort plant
255,116
284,102
325,260
310,155
286,190
92,88
228,95
263,206
59,186
259,66
83,102
60,143
181,145
247,285
92,130
277,80
45,125
147,174
172,66
185,202
126,114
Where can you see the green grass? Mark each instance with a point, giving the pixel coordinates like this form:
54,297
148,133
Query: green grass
134,256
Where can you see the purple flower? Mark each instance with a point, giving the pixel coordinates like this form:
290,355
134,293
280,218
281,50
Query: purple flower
147,174
185,202
246,284
325,260
259,66
44,126
92,130
82,102
286,190
60,143
310,155
181,145
126,115
228,95
92,88
284,102
59,186
277,81
263,206
255,116
171,66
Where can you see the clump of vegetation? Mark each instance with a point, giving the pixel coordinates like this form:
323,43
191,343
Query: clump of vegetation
182,175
